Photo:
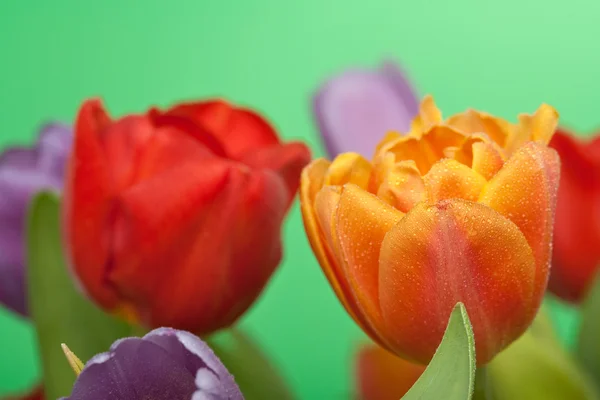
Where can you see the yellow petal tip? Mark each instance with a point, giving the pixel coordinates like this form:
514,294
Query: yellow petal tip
73,360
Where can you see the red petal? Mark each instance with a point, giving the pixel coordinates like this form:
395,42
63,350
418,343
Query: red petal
239,131
86,205
189,233
287,160
576,252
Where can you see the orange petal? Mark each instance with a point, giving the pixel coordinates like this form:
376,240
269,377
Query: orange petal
429,114
471,122
449,179
362,221
537,127
326,206
454,251
311,183
524,191
348,168
402,186
439,137
481,154
381,375
388,138
487,160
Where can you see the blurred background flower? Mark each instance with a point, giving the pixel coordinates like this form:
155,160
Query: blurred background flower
23,172
165,364
356,108
381,375
576,256
173,218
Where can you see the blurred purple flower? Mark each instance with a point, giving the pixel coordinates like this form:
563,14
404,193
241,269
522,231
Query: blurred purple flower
23,172
355,109
166,364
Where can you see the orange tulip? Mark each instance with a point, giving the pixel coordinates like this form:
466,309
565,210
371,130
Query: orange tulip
455,211
173,218
381,375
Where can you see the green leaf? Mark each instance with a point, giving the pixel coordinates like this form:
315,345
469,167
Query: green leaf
451,373
59,312
255,374
536,367
588,347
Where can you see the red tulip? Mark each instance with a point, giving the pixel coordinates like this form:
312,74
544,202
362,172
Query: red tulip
576,254
173,218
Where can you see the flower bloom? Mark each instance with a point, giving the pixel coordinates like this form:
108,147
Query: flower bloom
354,109
173,218
576,252
23,172
166,364
459,210
381,375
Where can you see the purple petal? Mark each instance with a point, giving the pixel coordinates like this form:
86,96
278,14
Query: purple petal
355,109
134,369
165,364
23,173
54,146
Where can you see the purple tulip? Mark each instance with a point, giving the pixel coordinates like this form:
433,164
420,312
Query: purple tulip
166,364
23,172
355,109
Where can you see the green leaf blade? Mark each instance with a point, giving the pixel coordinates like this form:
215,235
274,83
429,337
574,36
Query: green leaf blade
59,312
255,374
451,373
588,346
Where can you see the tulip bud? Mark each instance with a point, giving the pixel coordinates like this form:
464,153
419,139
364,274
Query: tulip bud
454,211
166,364
173,218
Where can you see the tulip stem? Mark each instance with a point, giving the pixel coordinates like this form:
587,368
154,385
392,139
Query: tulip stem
483,385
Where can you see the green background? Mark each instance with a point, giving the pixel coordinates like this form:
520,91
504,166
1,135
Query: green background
504,57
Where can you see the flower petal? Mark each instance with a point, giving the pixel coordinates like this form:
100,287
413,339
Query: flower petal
239,131
381,375
311,182
87,173
355,109
216,209
287,160
455,251
537,127
472,122
134,369
525,192
200,360
361,222
402,185
482,155
576,254
429,114
449,179
348,168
